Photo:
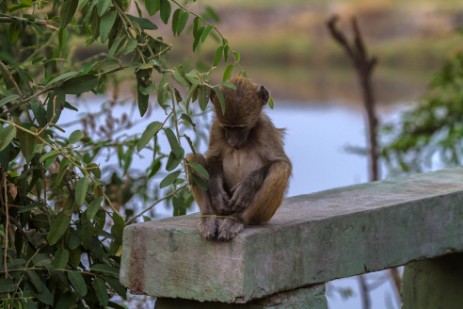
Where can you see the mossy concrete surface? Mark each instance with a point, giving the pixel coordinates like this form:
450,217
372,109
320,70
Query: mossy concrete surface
311,239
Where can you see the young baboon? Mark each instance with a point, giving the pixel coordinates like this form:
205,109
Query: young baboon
248,168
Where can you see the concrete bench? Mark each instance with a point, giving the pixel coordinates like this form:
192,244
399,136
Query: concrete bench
311,239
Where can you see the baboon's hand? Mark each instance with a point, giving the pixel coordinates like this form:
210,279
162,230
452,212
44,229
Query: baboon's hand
242,196
220,200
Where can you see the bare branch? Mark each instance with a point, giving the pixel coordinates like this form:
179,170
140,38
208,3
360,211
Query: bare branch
364,66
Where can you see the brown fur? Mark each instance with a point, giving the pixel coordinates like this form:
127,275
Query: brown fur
247,181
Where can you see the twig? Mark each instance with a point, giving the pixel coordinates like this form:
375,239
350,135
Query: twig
7,223
365,292
364,66
155,203
217,217
44,23
10,78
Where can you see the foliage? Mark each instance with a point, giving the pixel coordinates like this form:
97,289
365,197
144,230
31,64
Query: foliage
430,135
66,194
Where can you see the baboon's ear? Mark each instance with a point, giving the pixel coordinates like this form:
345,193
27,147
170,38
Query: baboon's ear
263,94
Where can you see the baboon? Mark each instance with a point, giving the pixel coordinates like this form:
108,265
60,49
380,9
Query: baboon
248,168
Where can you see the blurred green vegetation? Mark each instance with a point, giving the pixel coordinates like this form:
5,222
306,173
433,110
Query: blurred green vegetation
285,44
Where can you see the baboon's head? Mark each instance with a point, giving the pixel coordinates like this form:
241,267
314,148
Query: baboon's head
243,107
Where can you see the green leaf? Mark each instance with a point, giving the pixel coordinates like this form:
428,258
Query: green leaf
64,76
175,18
48,155
150,131
221,99
182,20
206,33
143,22
14,31
78,282
188,119
6,136
58,227
165,11
229,85
204,93
73,241
131,46
81,190
101,291
162,89
56,100
190,142
193,77
27,144
93,208
68,9
102,6
210,13
198,168
75,136
80,84
270,102
71,107
36,281
218,55
193,93
174,143
118,227
237,56
228,71
117,286
197,40
9,99
173,161
7,285
152,6
94,169
45,296
169,179
200,182
39,112
148,90
65,301
116,45
197,27
61,258
106,24
106,269
143,101
226,50
179,78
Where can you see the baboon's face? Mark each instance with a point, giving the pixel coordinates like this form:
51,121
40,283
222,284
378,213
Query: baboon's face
236,136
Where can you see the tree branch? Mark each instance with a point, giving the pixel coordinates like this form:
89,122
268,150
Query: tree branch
364,66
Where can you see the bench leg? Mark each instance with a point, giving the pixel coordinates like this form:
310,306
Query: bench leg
434,283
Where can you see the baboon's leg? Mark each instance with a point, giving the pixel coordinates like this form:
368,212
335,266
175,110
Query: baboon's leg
208,226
